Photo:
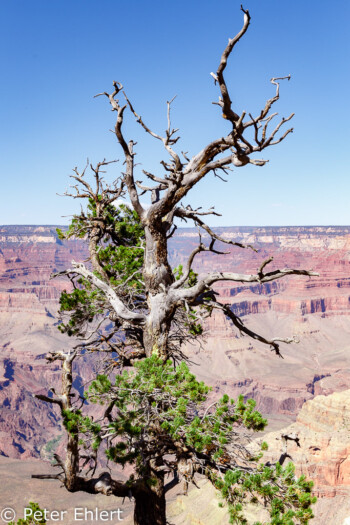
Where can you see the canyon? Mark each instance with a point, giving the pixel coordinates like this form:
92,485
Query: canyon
318,443
314,310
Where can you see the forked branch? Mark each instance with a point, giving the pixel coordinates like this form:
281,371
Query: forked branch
127,147
225,102
116,303
206,281
188,213
238,323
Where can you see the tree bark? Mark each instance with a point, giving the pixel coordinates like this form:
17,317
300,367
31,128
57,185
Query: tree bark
94,239
157,275
158,323
157,270
71,466
150,505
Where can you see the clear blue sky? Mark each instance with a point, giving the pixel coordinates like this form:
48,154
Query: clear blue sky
57,54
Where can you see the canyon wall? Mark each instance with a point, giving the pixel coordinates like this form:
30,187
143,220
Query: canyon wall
315,310
28,331
319,446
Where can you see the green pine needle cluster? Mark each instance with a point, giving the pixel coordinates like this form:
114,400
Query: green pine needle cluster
39,518
159,409
120,254
289,498
83,304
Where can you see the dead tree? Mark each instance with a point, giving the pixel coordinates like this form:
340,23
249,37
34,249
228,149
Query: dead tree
164,294
149,318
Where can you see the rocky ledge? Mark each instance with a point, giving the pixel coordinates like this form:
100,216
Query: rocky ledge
319,445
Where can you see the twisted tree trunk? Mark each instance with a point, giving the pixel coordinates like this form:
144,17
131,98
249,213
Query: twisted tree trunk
157,271
157,276
157,329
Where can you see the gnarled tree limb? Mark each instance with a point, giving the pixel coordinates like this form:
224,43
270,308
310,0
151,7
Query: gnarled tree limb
238,323
118,306
205,282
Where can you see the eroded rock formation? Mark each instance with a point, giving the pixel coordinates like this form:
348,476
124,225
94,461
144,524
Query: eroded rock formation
321,452
315,310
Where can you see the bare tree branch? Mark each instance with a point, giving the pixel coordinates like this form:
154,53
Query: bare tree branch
167,141
194,215
226,102
127,148
242,328
205,282
118,306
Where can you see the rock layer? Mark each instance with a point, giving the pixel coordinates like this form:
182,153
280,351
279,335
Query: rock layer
315,310
322,452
